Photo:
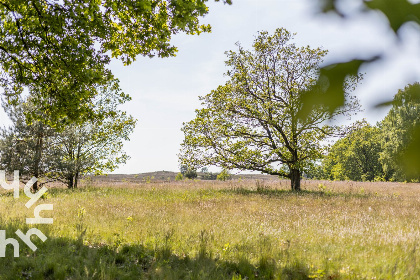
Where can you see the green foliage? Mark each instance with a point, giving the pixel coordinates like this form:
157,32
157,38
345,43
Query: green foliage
191,174
251,122
206,175
399,13
387,152
94,147
356,156
314,170
91,147
188,172
400,136
333,76
60,50
179,177
210,176
183,169
23,147
224,175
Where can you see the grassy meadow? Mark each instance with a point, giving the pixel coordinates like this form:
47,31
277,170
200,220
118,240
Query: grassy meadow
239,229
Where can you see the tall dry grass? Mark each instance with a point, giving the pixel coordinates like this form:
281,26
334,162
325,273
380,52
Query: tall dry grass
240,229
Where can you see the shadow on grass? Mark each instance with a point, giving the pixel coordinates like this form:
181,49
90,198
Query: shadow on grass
103,191
63,258
270,192
57,191
259,189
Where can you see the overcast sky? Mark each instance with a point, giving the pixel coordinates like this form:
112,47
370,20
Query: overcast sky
165,91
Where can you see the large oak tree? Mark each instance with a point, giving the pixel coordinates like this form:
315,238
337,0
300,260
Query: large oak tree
251,122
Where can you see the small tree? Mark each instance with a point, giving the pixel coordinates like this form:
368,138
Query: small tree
23,146
188,172
224,175
204,169
191,174
252,123
179,177
94,147
207,175
91,147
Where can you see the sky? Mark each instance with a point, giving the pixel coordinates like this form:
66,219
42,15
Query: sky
165,91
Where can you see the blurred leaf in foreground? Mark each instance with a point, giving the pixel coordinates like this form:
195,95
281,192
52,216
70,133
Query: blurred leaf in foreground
329,91
404,159
332,77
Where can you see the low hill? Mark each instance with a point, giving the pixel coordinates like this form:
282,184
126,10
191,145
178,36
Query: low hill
160,176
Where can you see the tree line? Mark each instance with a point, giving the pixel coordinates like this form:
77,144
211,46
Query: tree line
376,152
204,174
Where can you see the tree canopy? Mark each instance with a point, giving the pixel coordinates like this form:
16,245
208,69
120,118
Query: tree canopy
251,122
399,127
22,146
356,156
60,50
384,152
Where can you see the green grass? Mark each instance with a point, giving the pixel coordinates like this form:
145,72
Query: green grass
221,230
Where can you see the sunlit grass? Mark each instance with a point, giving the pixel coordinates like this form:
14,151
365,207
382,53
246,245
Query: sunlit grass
222,230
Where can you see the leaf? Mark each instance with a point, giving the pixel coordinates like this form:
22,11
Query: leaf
330,88
330,6
384,104
64,47
412,94
398,12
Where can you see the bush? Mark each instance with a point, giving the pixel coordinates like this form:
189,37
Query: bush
190,174
224,175
206,175
209,176
179,177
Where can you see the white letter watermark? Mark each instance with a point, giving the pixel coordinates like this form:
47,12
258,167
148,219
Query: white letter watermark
33,198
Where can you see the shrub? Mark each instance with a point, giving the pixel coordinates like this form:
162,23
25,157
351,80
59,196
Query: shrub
191,174
179,177
210,176
224,175
206,175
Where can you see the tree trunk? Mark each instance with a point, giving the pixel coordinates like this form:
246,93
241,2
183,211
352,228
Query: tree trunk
38,155
76,179
70,182
35,186
295,179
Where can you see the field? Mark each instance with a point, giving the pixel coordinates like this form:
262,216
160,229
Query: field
239,229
